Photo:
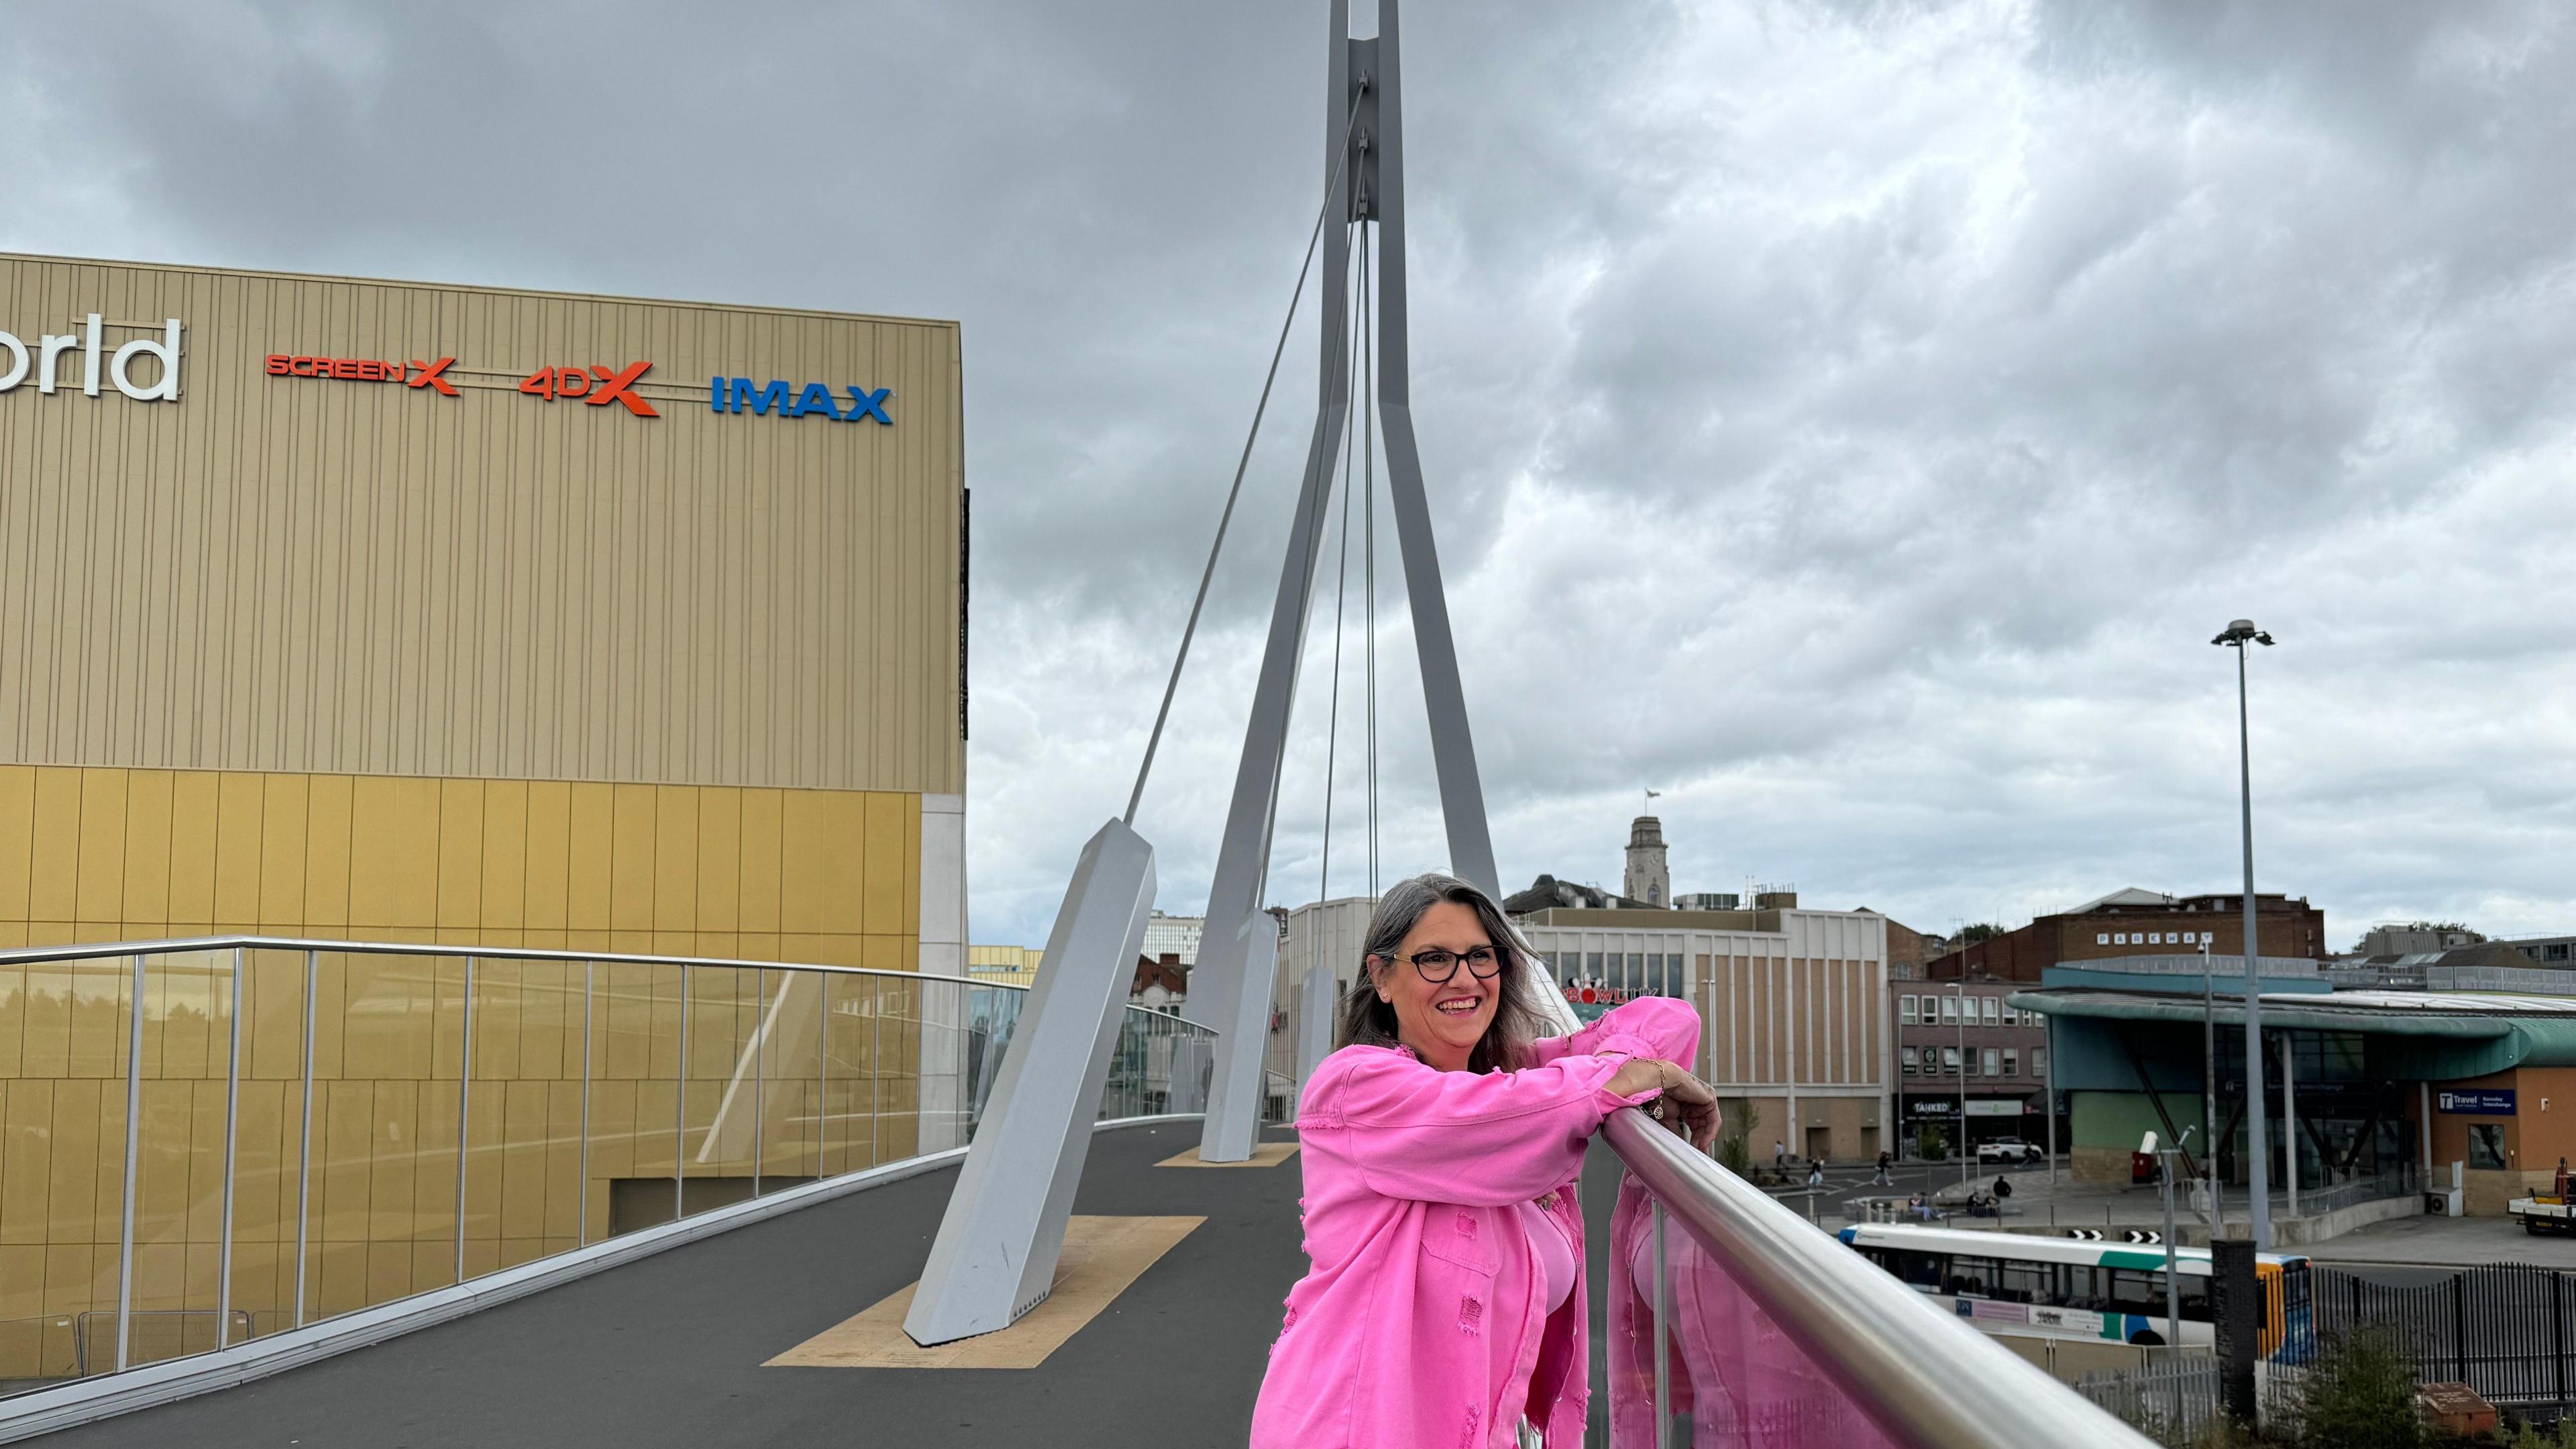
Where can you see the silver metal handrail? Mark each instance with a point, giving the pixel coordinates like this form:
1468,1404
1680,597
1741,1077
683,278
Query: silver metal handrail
103,950
1925,1378
982,1027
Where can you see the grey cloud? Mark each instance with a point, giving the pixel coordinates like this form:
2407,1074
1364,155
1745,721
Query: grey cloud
1853,418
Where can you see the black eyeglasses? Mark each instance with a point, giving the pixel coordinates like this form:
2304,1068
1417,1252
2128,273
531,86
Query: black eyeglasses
1437,966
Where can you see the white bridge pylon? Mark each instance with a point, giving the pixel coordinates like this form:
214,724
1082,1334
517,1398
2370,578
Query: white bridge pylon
1004,1228
1364,154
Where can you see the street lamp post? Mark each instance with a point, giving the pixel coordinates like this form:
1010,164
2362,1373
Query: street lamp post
1958,992
2209,1093
2258,1174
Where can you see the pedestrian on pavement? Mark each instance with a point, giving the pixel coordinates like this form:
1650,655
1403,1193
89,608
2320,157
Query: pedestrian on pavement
2562,1179
1444,1301
2003,1188
1815,1173
1885,1161
1780,1158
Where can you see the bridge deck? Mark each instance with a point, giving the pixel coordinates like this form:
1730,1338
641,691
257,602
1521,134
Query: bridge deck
668,1351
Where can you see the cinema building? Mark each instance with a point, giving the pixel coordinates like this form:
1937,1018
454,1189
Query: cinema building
375,611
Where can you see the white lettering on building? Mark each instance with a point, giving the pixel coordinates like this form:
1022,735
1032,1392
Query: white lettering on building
17,359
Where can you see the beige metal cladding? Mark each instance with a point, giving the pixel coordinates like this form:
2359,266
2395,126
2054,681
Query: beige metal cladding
282,573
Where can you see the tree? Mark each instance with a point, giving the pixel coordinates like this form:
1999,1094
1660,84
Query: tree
1981,931
1735,1137
2360,1394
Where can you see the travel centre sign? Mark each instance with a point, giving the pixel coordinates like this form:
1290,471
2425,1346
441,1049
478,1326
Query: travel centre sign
45,360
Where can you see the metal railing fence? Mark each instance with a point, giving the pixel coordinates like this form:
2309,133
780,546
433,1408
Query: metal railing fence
291,1130
2504,1329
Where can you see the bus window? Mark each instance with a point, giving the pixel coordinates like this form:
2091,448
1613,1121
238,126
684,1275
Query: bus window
2029,1282
2134,1291
1980,1277
1919,1270
2195,1299
2086,1286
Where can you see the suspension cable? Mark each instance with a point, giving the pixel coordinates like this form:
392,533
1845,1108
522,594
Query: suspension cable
1332,186
1297,667
1341,591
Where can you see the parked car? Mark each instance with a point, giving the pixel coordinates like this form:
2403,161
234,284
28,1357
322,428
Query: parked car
2009,1150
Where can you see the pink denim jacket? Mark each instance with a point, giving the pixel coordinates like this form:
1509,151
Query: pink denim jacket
1417,1325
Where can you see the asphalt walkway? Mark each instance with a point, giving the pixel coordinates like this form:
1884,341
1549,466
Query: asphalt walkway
668,1351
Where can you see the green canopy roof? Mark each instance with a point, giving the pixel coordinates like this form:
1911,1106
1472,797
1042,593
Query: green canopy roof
2432,1035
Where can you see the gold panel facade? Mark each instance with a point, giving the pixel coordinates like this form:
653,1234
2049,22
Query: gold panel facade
827,876
357,575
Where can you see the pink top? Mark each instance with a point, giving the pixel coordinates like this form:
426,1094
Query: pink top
1424,1318
1555,1255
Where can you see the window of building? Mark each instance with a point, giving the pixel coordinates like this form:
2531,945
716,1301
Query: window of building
1994,1010
2012,1061
2557,952
1907,1058
1994,1067
2486,1145
1949,1011
1905,1011
1636,971
1949,1061
1592,966
2039,1061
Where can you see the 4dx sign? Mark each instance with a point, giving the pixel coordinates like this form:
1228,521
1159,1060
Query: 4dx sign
595,385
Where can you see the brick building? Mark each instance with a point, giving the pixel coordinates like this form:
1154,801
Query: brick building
1963,1038
2138,923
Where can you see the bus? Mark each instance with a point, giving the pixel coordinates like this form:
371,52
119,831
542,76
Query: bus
2010,1283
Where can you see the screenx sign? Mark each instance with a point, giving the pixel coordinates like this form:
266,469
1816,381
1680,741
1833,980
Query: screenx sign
45,360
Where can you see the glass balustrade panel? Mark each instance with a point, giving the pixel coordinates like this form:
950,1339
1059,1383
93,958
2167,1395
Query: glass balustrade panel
634,1159
1731,1376
380,1201
64,1037
523,1115
179,1162
896,1066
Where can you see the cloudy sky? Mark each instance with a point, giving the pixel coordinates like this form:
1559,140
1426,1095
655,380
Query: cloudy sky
1849,419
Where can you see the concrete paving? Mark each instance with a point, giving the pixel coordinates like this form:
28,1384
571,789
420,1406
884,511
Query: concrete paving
2448,1243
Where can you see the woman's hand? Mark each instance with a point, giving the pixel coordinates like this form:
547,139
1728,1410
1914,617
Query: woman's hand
1688,1105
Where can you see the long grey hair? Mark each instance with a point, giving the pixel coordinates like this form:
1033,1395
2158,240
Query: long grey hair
1367,1021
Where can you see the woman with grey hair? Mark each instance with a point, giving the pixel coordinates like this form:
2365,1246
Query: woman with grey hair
1444,1302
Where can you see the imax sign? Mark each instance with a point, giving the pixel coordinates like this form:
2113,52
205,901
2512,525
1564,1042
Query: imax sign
45,359
812,400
